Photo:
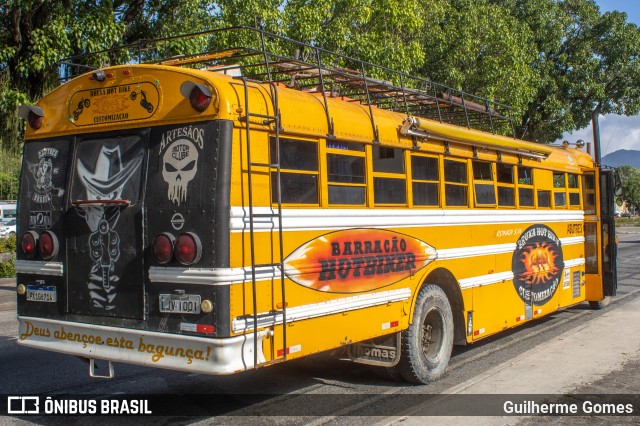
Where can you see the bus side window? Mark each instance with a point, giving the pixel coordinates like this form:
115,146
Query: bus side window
525,187
299,171
483,184
506,187
544,198
559,190
389,176
589,193
573,184
425,176
346,173
455,178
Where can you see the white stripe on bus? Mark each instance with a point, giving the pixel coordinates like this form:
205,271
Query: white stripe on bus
314,310
333,219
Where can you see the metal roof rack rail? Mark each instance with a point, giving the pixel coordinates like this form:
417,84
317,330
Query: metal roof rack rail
266,57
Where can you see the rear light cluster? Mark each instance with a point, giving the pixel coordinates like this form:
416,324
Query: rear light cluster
187,248
198,99
46,244
199,95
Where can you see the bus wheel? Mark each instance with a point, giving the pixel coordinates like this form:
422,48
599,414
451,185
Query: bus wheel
601,304
427,343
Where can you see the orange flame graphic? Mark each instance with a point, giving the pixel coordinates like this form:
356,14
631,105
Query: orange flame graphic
539,263
357,260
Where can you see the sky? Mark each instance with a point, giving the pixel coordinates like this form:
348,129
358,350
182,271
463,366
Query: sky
616,131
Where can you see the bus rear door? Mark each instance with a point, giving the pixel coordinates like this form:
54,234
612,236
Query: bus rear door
104,223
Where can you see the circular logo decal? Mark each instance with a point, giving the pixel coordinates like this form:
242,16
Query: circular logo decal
177,221
537,264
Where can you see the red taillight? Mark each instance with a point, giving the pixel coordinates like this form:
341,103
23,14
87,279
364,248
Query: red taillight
163,247
29,244
199,100
35,120
188,248
48,245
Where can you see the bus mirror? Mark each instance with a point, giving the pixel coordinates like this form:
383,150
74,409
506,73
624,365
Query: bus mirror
617,183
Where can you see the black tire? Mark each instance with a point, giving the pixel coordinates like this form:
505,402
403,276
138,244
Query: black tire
601,304
427,343
87,103
133,96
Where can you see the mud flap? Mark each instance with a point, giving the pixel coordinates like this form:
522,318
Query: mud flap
382,351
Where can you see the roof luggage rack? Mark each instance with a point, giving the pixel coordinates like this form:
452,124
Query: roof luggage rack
266,57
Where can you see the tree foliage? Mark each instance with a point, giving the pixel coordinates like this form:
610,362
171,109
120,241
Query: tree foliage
629,185
554,61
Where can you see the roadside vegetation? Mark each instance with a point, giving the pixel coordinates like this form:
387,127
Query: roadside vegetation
7,257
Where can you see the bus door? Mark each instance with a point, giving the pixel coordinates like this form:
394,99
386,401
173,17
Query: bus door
599,234
609,241
104,240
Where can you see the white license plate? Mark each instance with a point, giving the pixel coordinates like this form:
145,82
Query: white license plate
180,303
37,293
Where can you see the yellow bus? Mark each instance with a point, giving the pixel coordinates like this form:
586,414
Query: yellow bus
267,199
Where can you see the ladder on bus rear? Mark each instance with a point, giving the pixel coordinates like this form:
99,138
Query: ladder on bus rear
274,214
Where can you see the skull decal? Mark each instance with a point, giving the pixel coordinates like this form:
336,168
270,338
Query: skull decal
179,167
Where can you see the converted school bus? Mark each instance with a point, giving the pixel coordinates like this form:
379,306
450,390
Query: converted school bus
228,210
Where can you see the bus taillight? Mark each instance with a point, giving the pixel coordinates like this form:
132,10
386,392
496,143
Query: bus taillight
199,95
32,114
48,245
163,247
29,244
188,248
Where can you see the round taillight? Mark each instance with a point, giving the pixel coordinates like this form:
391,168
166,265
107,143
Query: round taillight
29,244
163,247
188,248
35,120
48,245
198,99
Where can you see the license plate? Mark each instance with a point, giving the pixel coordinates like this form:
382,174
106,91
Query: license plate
36,293
180,303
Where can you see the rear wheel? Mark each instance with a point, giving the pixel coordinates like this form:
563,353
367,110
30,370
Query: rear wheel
601,304
427,343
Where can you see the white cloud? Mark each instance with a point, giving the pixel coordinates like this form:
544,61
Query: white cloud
616,132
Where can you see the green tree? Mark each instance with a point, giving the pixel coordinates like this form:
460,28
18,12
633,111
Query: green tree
629,185
384,32
585,60
36,34
554,61
480,48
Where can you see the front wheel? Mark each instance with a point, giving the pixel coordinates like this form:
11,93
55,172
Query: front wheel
427,343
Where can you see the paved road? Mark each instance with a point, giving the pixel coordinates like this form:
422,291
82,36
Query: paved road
573,351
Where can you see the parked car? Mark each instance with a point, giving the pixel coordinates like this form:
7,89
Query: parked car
8,229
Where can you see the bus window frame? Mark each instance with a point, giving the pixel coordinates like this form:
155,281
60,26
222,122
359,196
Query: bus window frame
436,182
283,171
346,152
484,182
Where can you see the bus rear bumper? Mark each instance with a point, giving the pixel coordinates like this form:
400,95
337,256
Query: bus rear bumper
161,350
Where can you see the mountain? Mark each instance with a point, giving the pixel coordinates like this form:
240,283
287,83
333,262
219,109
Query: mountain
622,157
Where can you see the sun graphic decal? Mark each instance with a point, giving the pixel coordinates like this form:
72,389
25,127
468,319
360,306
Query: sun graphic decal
537,264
